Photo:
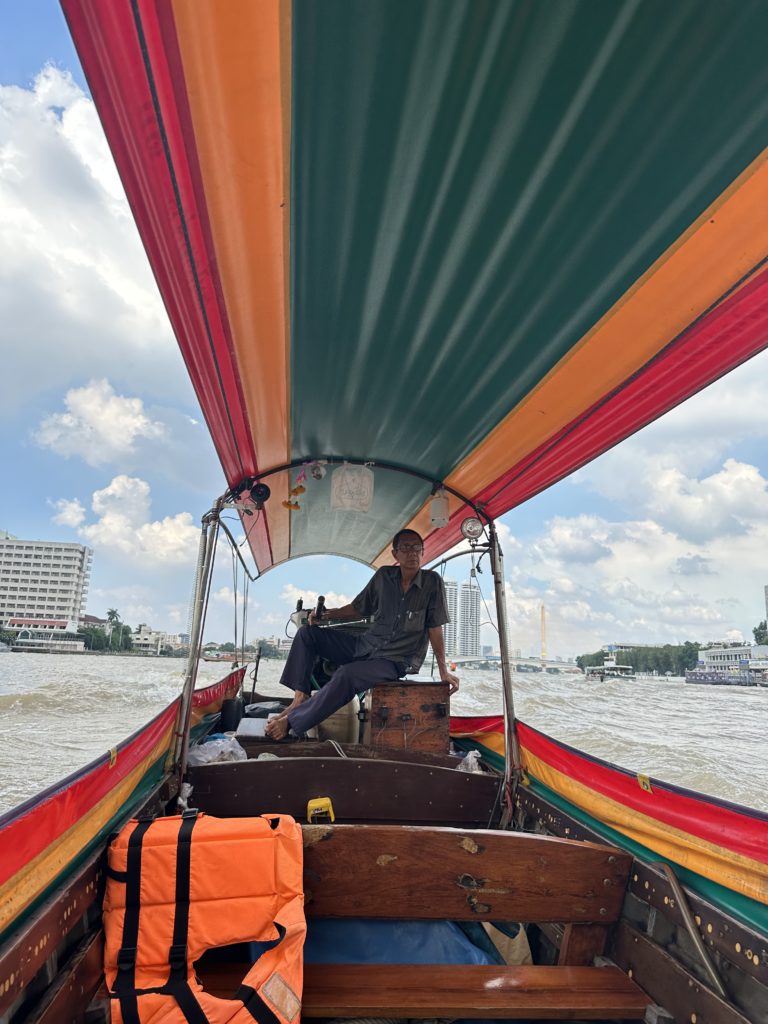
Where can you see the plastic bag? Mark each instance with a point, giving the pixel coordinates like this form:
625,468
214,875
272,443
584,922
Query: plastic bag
471,763
224,749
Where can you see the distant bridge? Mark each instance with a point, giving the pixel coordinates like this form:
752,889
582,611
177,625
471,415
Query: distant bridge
519,664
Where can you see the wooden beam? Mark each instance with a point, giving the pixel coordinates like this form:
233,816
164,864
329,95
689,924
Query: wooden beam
68,998
254,746
361,789
582,943
459,874
744,947
461,991
25,953
667,982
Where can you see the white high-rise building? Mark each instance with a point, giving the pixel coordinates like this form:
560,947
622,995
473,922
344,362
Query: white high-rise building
469,619
43,584
450,628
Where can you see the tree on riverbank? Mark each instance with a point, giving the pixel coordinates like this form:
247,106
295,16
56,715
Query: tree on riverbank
116,636
671,658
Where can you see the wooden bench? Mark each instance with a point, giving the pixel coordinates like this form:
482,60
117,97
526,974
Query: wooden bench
461,875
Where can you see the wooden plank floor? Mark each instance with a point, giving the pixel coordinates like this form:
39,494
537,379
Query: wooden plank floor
426,991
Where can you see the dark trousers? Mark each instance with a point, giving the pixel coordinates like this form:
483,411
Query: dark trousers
354,674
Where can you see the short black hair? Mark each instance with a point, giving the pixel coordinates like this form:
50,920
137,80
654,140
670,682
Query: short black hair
401,533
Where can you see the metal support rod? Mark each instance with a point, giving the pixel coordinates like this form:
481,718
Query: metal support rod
693,931
511,744
208,538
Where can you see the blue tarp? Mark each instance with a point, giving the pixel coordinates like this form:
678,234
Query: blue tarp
369,941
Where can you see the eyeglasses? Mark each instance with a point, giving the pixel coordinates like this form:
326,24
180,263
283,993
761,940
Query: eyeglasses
410,547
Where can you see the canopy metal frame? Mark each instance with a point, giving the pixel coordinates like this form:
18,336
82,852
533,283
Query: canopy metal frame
339,460
206,554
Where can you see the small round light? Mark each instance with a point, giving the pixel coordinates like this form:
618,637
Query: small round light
472,528
259,494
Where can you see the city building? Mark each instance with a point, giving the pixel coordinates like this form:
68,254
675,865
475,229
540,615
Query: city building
43,585
152,641
93,622
469,620
731,656
612,648
280,643
450,628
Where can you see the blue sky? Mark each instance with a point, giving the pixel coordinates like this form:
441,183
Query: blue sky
660,540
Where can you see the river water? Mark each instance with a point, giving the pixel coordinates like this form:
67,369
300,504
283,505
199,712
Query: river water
61,711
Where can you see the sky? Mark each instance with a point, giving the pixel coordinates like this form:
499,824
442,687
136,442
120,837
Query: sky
661,540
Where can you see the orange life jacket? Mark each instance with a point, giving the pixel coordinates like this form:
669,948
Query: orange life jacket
181,885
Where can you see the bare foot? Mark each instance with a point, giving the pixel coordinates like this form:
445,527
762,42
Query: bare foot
299,698
277,728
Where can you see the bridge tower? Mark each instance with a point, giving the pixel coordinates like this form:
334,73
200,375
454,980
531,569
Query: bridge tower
543,634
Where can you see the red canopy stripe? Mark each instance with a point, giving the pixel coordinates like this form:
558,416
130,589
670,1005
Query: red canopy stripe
146,122
723,339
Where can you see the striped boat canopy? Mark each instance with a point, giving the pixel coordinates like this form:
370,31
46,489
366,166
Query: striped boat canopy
483,241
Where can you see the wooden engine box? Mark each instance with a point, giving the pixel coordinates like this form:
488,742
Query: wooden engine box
408,716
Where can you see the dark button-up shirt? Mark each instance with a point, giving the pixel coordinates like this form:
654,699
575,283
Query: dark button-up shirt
401,620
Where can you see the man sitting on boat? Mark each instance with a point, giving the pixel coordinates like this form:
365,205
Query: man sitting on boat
409,609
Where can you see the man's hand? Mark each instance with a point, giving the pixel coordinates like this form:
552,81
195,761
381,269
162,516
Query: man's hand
451,679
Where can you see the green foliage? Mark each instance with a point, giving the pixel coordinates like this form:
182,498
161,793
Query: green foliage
760,632
671,658
95,638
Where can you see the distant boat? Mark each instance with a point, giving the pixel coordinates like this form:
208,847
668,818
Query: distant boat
610,670
727,677
228,658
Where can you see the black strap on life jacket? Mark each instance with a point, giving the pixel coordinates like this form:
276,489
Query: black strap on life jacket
125,981
252,1001
178,977
255,1005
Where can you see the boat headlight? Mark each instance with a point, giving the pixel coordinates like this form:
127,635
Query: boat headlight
471,528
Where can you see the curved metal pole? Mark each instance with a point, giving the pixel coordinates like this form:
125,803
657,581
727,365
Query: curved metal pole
511,744
483,549
208,538
333,460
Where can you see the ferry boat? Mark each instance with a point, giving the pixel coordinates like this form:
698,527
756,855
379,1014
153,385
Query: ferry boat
610,669
447,249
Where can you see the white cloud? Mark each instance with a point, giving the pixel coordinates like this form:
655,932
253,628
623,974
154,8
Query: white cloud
70,512
720,505
127,497
692,440
580,539
290,594
693,565
123,527
98,425
77,295
646,583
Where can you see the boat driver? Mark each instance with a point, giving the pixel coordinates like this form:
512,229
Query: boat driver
409,609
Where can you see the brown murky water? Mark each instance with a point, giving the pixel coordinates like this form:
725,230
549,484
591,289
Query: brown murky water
61,711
